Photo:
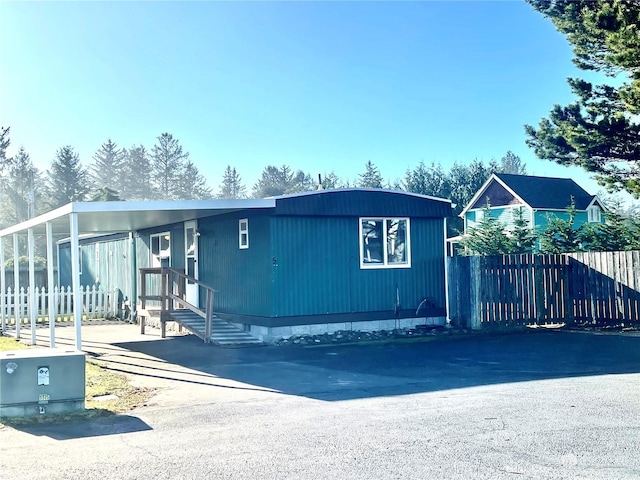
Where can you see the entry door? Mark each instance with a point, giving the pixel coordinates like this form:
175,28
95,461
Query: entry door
191,261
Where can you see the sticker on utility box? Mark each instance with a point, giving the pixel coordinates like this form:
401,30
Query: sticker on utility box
43,375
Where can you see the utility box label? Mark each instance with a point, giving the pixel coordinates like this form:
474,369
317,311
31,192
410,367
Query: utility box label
43,375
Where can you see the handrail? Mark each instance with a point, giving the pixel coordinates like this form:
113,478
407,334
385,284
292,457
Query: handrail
172,293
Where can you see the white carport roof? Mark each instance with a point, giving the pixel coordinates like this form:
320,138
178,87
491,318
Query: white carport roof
113,217
82,218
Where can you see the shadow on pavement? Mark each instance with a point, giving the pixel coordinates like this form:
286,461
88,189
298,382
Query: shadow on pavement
93,427
335,373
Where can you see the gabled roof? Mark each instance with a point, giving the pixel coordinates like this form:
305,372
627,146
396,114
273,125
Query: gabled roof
541,193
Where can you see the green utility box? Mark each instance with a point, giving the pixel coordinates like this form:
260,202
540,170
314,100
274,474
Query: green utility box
41,380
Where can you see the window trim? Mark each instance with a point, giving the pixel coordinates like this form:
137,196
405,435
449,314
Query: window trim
385,262
243,228
159,236
594,214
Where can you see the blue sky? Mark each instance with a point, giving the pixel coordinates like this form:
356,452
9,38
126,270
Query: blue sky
319,86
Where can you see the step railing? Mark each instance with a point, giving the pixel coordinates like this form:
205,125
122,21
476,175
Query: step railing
170,293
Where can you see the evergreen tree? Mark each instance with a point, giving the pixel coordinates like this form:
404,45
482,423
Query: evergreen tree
428,181
301,182
106,194
274,181
191,184
167,164
511,163
136,183
232,186
22,190
331,181
5,141
108,168
523,238
66,179
371,177
600,131
560,235
488,237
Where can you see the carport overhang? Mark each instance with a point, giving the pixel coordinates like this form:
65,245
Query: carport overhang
85,218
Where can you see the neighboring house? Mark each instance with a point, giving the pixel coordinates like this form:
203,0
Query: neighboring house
360,259
536,197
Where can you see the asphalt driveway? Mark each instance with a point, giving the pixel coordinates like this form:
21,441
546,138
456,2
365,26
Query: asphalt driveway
540,405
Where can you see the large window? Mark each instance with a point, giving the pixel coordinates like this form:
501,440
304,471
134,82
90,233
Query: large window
161,250
593,213
384,243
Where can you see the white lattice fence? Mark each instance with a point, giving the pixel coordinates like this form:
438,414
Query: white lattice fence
96,303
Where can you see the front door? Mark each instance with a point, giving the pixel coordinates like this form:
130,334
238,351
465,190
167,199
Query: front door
191,261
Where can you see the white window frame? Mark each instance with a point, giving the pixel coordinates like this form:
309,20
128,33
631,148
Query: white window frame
243,233
152,256
385,248
594,214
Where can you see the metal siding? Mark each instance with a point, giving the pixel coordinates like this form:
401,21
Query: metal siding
363,203
240,277
319,271
111,268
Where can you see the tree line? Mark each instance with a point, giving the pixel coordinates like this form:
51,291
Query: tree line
165,172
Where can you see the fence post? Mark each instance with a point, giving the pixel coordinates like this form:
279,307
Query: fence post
475,317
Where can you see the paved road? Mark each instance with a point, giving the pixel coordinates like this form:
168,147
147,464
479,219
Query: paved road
544,405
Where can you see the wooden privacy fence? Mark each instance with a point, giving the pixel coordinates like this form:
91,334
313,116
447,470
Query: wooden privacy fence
510,290
96,303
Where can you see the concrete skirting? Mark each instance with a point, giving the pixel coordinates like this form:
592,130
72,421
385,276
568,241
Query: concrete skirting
271,334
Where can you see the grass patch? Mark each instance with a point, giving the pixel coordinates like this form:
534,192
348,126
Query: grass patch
100,382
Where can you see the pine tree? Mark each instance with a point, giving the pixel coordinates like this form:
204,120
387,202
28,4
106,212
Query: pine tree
66,179
22,189
428,181
167,164
232,186
191,184
511,163
136,183
274,181
599,131
371,177
108,168
331,181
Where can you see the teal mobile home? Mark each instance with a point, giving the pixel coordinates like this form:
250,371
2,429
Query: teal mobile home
312,262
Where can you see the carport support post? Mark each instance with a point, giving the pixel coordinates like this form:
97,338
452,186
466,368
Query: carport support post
50,297
16,285
3,287
75,277
33,313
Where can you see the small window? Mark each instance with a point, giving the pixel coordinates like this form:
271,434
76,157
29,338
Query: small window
161,250
243,233
593,214
384,243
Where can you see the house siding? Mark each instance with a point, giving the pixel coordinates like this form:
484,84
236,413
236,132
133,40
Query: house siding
318,268
542,218
240,277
